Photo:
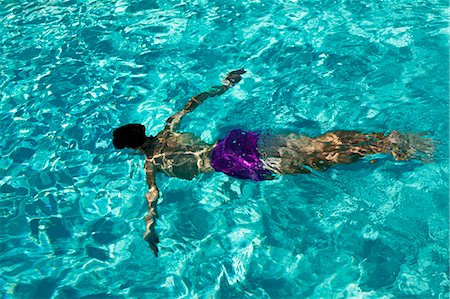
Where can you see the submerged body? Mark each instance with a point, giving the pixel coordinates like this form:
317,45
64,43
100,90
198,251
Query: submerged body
251,155
180,155
255,156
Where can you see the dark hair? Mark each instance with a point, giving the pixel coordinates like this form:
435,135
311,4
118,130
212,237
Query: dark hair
131,136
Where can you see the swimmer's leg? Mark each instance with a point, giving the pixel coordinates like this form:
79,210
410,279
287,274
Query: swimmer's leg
343,147
405,146
295,154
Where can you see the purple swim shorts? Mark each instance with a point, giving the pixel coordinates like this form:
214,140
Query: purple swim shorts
237,155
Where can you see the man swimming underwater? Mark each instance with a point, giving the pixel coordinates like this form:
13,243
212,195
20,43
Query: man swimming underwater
251,155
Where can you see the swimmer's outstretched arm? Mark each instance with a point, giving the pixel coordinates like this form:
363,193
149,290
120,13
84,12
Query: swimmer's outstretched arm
173,122
152,199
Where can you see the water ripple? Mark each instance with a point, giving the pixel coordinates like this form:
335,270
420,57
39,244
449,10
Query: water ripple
72,206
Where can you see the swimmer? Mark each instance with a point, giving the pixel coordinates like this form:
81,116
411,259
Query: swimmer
251,155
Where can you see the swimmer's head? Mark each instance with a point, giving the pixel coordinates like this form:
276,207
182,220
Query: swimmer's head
130,136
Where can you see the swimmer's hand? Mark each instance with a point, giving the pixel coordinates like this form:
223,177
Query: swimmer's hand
152,239
233,77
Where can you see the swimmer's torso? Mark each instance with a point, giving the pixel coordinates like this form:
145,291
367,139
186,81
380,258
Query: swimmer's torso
180,155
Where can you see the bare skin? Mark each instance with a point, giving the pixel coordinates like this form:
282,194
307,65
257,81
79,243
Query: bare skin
177,154
185,156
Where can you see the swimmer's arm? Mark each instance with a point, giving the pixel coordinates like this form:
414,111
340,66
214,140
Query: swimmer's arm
152,199
173,122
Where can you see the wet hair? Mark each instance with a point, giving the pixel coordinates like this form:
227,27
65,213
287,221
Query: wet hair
131,136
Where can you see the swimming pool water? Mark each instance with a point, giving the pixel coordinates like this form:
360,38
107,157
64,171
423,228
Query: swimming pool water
72,206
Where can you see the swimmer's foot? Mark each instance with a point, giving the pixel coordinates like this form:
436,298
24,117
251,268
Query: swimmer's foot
410,146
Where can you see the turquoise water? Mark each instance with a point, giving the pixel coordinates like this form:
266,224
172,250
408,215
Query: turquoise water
72,206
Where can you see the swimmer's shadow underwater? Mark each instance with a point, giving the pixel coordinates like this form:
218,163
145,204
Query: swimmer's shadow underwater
250,155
